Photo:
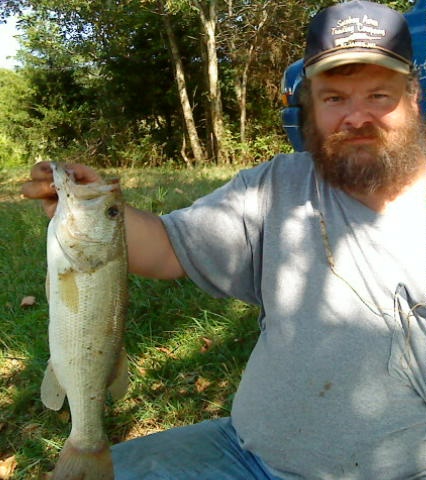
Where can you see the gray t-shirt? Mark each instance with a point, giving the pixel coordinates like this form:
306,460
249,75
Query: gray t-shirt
335,386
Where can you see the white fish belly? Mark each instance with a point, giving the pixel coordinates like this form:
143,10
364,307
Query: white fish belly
86,313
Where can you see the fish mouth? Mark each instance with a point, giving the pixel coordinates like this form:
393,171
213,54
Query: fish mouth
66,185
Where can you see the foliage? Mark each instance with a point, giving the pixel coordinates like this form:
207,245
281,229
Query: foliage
14,118
101,78
186,350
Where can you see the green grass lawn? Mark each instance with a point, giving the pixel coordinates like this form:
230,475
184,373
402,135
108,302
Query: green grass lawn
186,350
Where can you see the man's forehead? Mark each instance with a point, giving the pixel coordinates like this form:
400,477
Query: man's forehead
367,76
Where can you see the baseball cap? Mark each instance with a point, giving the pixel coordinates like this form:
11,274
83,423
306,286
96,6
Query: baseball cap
358,32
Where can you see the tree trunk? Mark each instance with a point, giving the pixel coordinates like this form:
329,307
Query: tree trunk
242,62
241,92
208,22
194,140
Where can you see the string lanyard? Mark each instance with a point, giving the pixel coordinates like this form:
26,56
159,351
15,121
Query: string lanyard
372,306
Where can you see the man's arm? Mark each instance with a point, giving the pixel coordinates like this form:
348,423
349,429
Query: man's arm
149,249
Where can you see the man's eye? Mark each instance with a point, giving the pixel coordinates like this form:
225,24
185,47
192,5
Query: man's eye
333,99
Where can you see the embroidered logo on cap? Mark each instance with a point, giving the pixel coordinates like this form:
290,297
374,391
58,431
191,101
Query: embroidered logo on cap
357,32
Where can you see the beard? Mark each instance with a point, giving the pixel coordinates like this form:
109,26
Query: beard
388,165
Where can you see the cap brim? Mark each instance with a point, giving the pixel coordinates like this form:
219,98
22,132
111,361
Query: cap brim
344,58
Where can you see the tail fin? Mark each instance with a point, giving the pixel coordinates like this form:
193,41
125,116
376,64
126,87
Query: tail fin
75,464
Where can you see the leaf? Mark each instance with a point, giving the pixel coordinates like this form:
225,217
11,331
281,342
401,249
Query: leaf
28,301
167,351
202,384
64,416
7,467
31,429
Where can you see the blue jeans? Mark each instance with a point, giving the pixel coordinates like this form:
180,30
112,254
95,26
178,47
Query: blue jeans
205,451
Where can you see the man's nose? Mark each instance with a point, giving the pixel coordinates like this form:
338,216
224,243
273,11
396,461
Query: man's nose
357,115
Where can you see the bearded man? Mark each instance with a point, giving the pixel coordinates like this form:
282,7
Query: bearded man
331,245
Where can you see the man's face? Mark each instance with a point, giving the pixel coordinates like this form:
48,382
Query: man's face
364,130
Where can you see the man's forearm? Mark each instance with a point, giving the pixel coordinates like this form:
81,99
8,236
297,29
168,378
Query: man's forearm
150,251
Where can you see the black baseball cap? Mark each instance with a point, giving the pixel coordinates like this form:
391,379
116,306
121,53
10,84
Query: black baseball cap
358,32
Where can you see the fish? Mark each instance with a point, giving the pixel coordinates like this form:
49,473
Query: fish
86,287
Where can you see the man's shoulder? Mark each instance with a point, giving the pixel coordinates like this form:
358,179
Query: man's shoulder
293,162
282,168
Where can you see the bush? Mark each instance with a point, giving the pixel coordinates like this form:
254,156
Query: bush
12,154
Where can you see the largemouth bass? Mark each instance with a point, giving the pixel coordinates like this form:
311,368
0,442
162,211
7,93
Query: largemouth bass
87,292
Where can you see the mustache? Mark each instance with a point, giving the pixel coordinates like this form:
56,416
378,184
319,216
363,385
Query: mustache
337,141
368,130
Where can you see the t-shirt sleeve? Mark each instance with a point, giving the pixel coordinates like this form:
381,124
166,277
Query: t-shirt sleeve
218,238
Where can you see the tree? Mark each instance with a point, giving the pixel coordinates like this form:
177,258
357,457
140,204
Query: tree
247,29
191,129
232,34
102,76
15,121
207,11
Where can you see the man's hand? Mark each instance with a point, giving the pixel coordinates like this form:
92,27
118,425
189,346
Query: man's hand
41,184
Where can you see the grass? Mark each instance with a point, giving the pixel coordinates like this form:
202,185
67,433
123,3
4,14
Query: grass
186,350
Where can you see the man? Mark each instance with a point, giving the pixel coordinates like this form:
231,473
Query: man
332,247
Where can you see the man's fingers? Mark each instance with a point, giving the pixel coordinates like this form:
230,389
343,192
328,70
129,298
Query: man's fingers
42,171
38,189
40,185
82,173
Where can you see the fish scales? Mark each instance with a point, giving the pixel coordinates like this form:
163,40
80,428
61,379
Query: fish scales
87,292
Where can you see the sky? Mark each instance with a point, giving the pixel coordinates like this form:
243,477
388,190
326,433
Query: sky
8,45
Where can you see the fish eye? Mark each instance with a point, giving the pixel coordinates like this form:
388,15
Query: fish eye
112,211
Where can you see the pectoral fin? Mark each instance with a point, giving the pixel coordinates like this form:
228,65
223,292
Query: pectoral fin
120,382
52,394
